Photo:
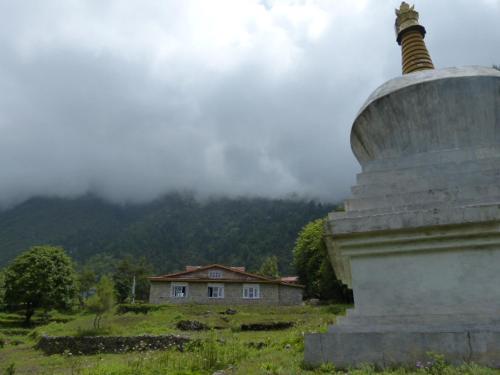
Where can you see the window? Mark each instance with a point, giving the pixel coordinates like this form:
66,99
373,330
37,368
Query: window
178,290
251,291
214,274
215,291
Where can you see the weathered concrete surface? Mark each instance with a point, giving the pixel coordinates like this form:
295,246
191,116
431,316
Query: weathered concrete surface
384,349
419,242
429,111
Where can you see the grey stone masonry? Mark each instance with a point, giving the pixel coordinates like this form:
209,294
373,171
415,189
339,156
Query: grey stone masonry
270,294
108,344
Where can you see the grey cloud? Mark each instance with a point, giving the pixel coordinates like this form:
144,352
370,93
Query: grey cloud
92,103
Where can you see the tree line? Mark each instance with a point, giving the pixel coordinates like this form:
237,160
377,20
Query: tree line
45,277
171,232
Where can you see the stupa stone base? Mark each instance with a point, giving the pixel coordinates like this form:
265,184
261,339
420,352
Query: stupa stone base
401,347
418,289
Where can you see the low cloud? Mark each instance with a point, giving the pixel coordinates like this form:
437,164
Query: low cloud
130,100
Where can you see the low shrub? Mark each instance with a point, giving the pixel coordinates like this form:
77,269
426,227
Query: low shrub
213,354
335,309
191,325
10,369
16,331
136,308
102,331
271,368
327,368
16,342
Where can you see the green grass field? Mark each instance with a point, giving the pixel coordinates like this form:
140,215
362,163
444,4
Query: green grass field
225,348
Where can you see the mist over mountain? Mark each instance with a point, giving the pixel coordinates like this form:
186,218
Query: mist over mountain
171,232
130,100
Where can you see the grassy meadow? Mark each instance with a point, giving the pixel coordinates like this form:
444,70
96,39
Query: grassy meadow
225,347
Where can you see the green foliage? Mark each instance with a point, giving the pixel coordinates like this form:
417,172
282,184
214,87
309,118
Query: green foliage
249,353
335,309
271,368
269,267
101,264
170,232
136,308
102,301
86,281
10,369
211,354
435,366
313,265
327,368
94,331
126,270
308,255
42,277
2,289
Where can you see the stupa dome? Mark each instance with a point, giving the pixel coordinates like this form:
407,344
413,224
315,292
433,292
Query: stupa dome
427,112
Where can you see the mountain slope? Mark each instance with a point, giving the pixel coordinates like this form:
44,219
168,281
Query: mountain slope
171,232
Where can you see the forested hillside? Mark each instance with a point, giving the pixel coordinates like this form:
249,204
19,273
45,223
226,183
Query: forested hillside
170,232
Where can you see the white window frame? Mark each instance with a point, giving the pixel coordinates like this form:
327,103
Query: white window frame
219,288
251,291
215,274
181,285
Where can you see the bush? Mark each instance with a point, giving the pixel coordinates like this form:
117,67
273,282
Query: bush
213,354
10,369
102,331
335,309
191,325
136,308
102,301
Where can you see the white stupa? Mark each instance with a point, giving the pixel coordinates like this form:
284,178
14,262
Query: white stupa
419,241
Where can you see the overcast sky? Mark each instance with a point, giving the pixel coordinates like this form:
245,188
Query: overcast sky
132,99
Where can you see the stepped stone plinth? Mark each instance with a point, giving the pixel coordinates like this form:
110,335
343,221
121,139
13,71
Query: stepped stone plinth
419,241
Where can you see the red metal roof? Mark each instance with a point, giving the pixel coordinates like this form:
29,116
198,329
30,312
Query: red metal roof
290,279
178,276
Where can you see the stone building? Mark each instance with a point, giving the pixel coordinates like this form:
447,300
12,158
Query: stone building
217,284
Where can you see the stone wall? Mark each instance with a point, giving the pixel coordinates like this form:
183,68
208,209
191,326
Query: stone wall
271,294
108,344
290,295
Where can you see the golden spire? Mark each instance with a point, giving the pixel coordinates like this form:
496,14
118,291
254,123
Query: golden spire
410,36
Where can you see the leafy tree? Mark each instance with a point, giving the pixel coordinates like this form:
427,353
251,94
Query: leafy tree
42,277
102,301
101,264
2,288
269,267
86,281
313,265
127,270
